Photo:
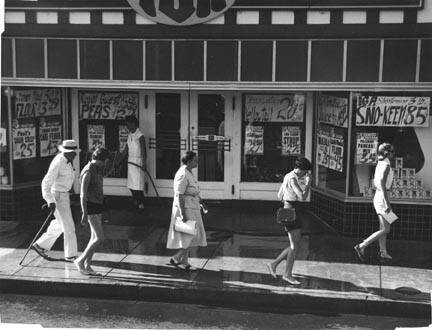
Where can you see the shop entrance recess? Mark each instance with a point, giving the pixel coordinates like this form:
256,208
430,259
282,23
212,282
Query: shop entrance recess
189,120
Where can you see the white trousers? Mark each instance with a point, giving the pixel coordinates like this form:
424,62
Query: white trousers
62,224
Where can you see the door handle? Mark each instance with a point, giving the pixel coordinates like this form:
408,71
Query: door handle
232,190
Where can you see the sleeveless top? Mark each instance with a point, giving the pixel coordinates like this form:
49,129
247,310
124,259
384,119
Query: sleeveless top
95,187
289,193
134,146
379,173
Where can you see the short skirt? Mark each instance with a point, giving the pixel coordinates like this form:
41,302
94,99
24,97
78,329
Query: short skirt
299,214
379,202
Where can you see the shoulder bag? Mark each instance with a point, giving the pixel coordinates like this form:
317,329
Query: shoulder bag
285,217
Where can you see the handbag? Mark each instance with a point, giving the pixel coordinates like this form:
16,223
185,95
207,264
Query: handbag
285,217
188,227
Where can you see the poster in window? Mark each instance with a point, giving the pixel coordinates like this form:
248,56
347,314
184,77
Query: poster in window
274,108
96,136
107,105
3,140
336,152
291,140
333,110
24,141
50,136
366,151
123,136
37,103
323,148
254,140
393,111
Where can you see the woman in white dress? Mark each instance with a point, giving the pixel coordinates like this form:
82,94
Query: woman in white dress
383,180
136,152
186,204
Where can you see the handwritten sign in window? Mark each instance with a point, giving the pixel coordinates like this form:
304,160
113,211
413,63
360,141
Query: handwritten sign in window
50,136
333,110
393,111
274,108
330,149
107,105
95,136
291,140
24,141
37,103
254,140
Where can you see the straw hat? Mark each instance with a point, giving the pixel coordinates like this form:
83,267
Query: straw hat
69,146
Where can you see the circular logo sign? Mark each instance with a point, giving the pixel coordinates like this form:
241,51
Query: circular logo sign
180,12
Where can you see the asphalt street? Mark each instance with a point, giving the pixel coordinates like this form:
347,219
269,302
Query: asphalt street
62,312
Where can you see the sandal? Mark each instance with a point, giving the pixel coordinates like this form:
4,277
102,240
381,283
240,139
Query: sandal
384,255
173,263
187,267
291,281
360,252
271,270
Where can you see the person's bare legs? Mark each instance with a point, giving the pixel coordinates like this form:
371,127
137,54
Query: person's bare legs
382,240
294,237
84,261
287,254
379,235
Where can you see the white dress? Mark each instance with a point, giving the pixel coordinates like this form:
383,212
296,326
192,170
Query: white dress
186,184
135,180
379,201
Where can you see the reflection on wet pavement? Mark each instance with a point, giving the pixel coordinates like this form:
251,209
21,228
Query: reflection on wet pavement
326,264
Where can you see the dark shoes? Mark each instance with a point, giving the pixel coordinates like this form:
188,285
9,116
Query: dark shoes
40,251
70,259
187,267
360,252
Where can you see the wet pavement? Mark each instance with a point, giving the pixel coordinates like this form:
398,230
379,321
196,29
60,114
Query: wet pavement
134,264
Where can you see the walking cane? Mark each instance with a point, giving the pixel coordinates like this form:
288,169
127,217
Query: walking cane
148,175
38,233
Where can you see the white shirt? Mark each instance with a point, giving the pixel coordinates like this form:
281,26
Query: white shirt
60,177
286,191
379,174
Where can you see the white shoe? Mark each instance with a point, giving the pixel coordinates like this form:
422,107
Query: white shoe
291,280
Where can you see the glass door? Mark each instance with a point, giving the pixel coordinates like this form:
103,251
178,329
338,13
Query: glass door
211,138
177,121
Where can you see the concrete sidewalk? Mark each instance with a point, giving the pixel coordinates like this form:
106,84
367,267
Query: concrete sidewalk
231,269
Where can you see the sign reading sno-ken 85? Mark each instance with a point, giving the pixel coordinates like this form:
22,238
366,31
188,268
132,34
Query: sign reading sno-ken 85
180,12
392,111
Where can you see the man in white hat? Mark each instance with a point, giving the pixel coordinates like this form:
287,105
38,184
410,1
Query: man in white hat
55,190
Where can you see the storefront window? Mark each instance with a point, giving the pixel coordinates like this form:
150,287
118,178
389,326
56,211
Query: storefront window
37,129
332,140
102,124
273,135
4,140
168,142
402,119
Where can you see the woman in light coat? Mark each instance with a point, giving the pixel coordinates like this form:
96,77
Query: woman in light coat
291,194
186,205
383,179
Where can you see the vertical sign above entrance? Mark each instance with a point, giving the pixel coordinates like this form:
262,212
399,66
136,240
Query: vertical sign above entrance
180,12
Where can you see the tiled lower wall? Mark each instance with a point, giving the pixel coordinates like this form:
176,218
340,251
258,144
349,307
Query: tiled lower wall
21,204
360,219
